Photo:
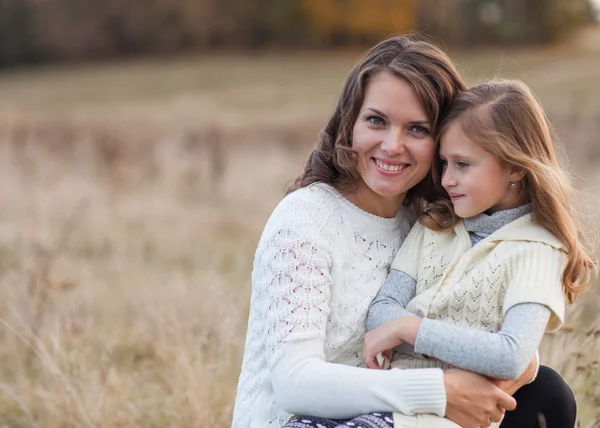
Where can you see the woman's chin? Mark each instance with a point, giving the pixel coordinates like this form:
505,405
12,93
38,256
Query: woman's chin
391,193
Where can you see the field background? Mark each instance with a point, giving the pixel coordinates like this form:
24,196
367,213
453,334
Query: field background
133,195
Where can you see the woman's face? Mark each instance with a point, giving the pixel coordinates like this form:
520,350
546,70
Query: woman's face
393,141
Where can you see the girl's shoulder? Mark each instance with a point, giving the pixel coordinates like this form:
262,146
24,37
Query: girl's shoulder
526,230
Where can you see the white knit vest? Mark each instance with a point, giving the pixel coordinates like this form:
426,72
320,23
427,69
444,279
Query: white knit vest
474,286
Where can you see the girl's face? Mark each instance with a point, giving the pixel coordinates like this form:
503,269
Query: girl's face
393,141
476,180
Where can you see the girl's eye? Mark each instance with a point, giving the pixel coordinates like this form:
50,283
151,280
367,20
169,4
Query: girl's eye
419,129
376,120
462,164
443,162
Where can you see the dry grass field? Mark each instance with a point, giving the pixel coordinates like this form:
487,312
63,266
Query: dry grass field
133,195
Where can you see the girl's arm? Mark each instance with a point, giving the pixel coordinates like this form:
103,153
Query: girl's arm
503,355
533,303
400,287
397,291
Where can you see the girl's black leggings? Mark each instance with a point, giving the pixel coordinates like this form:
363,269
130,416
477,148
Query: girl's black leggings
547,402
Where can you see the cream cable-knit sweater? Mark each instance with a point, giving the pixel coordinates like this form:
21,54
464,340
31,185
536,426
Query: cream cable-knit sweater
319,263
474,286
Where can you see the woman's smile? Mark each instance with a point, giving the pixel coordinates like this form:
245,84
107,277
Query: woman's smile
393,143
391,168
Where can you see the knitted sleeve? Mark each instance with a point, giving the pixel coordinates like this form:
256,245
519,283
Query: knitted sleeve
297,261
535,276
298,254
408,257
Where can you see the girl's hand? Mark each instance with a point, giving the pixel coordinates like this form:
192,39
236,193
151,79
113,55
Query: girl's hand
381,340
386,337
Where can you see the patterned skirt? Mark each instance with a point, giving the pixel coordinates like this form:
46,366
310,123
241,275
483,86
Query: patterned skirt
371,420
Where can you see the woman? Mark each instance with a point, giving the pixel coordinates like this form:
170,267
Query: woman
328,246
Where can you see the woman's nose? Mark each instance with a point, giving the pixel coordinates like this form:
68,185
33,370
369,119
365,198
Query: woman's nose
394,143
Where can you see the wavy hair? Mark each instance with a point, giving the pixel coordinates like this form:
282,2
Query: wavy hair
504,118
424,66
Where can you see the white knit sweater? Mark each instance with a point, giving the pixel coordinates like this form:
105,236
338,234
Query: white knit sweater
319,263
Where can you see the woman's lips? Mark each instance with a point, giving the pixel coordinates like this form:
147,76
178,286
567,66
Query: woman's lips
390,168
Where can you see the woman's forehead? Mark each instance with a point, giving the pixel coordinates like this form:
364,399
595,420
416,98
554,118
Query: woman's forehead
393,96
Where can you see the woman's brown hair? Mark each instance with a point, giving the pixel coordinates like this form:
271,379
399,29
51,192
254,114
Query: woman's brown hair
424,66
504,118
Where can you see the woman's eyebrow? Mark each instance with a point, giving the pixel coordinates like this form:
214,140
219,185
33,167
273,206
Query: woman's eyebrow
374,110
419,122
412,122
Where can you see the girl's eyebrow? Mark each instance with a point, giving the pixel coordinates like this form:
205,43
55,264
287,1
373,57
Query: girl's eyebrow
455,156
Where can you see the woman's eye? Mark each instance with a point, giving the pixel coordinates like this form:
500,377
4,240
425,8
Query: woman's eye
375,120
462,164
419,129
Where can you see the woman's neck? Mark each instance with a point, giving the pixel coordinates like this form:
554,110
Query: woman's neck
367,200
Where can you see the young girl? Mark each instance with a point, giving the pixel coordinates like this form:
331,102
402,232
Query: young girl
487,268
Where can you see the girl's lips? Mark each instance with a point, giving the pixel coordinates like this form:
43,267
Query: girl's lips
455,197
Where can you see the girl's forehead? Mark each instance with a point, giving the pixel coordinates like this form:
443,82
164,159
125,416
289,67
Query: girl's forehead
454,141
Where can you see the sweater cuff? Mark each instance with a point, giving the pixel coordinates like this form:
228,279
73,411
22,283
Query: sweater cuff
426,337
537,367
424,391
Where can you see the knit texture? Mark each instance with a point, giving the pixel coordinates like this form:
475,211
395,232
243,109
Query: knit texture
475,286
319,263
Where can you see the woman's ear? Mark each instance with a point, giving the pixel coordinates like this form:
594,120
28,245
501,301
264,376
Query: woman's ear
516,173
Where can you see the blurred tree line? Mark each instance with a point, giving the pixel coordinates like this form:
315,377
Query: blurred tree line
39,30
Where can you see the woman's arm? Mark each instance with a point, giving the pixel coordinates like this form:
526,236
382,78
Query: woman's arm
296,262
304,383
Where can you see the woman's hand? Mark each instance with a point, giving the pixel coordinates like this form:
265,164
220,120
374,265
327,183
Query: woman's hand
386,337
472,401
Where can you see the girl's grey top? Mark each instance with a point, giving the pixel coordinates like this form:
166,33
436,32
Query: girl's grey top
503,355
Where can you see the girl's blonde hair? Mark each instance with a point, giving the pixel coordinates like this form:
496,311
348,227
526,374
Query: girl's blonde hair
504,118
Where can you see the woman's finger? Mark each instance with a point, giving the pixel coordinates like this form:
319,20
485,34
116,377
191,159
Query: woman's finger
506,401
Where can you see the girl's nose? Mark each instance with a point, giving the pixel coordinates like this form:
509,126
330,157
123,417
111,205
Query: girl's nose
448,179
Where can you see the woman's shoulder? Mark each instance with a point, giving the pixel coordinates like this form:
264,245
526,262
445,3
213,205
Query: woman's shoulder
315,193
316,199
315,204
